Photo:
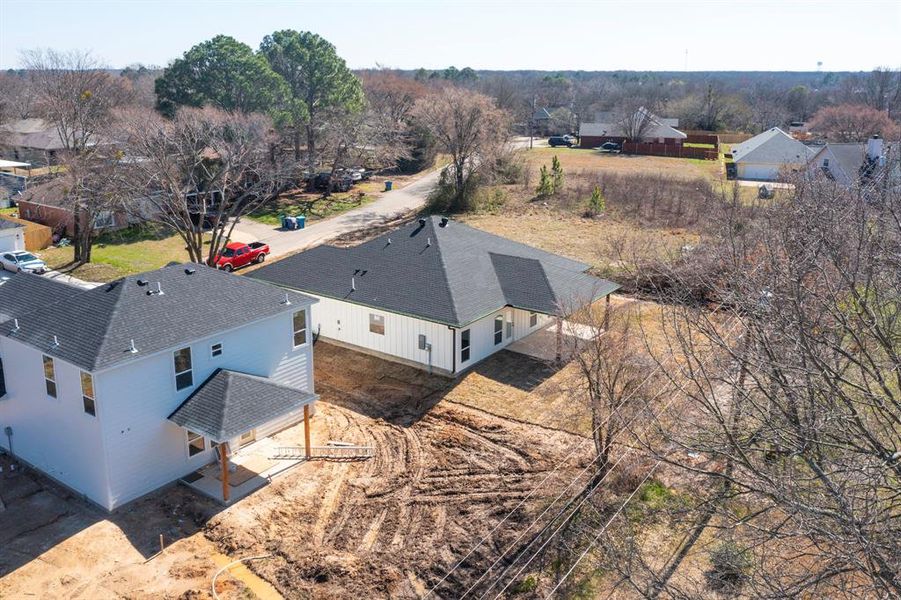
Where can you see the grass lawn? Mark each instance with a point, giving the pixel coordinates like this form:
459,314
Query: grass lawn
314,206
575,159
121,253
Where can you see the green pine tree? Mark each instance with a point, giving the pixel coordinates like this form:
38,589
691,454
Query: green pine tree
557,174
545,183
597,204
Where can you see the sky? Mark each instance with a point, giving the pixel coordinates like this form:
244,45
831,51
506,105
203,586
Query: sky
595,35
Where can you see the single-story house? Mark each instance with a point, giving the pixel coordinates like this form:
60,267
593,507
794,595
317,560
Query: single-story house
47,203
609,127
434,293
12,236
118,390
766,156
853,164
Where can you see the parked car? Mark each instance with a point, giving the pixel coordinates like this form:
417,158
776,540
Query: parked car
339,183
610,147
561,140
237,255
22,262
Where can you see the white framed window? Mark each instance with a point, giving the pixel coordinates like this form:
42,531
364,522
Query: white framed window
464,346
184,373
196,443
377,323
498,329
49,376
300,328
87,394
216,350
533,319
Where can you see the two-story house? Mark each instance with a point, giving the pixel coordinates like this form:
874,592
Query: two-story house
118,390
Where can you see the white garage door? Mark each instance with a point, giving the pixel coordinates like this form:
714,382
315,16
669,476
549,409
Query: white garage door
11,240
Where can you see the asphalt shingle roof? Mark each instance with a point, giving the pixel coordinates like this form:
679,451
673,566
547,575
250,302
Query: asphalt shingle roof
772,147
452,275
94,328
22,293
230,403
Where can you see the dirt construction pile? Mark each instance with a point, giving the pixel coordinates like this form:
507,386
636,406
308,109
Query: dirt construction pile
443,476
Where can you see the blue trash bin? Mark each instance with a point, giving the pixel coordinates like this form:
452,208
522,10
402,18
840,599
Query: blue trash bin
290,223
389,185
301,221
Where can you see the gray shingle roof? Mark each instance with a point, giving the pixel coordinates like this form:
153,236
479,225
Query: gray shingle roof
4,224
772,147
451,275
231,403
95,327
23,293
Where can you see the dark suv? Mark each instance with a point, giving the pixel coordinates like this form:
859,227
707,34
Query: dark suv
561,140
610,147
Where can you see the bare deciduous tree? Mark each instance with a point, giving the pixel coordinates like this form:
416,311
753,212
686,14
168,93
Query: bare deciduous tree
469,127
199,172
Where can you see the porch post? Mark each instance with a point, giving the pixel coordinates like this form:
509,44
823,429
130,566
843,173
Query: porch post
223,460
306,429
559,339
607,312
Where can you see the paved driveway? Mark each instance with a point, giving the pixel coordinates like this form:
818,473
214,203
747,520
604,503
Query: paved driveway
388,206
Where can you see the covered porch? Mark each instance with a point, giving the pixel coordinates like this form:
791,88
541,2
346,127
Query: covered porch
256,427
553,341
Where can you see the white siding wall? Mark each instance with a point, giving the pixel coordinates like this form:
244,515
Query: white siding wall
758,172
349,323
53,434
482,334
12,240
145,450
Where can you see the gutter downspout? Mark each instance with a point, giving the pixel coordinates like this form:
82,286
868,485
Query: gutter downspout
454,351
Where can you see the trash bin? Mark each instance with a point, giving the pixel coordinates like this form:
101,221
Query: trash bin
281,219
301,221
290,223
389,185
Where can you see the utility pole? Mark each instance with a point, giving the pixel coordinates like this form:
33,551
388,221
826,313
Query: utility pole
531,122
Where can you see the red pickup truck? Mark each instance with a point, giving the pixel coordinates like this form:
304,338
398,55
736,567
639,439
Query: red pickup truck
237,255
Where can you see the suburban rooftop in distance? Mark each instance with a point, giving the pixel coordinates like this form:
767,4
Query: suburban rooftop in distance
150,312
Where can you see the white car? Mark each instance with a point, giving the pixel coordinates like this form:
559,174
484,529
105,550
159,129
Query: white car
24,262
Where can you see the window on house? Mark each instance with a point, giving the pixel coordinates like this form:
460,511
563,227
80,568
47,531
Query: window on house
184,374
300,328
49,376
826,162
196,443
464,346
216,350
377,323
87,394
533,319
498,329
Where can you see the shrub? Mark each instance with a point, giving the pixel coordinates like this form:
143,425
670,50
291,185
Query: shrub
597,204
556,175
545,183
730,566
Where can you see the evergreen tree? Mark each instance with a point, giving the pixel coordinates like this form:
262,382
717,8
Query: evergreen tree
557,175
597,203
545,183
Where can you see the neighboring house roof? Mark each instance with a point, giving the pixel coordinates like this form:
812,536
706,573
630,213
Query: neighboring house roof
541,114
844,159
31,133
657,127
230,403
23,293
772,147
53,192
95,328
4,224
451,274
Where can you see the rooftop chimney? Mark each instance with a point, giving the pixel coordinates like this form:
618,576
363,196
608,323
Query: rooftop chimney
874,148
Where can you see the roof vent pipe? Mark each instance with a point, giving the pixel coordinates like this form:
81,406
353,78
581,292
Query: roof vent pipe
428,242
443,222
15,326
286,301
353,284
132,348
55,343
389,241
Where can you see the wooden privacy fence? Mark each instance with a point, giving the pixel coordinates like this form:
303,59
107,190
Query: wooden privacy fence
698,138
672,150
37,236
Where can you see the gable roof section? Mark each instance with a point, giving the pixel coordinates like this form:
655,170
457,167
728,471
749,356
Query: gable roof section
230,403
772,147
450,274
608,125
22,293
95,327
